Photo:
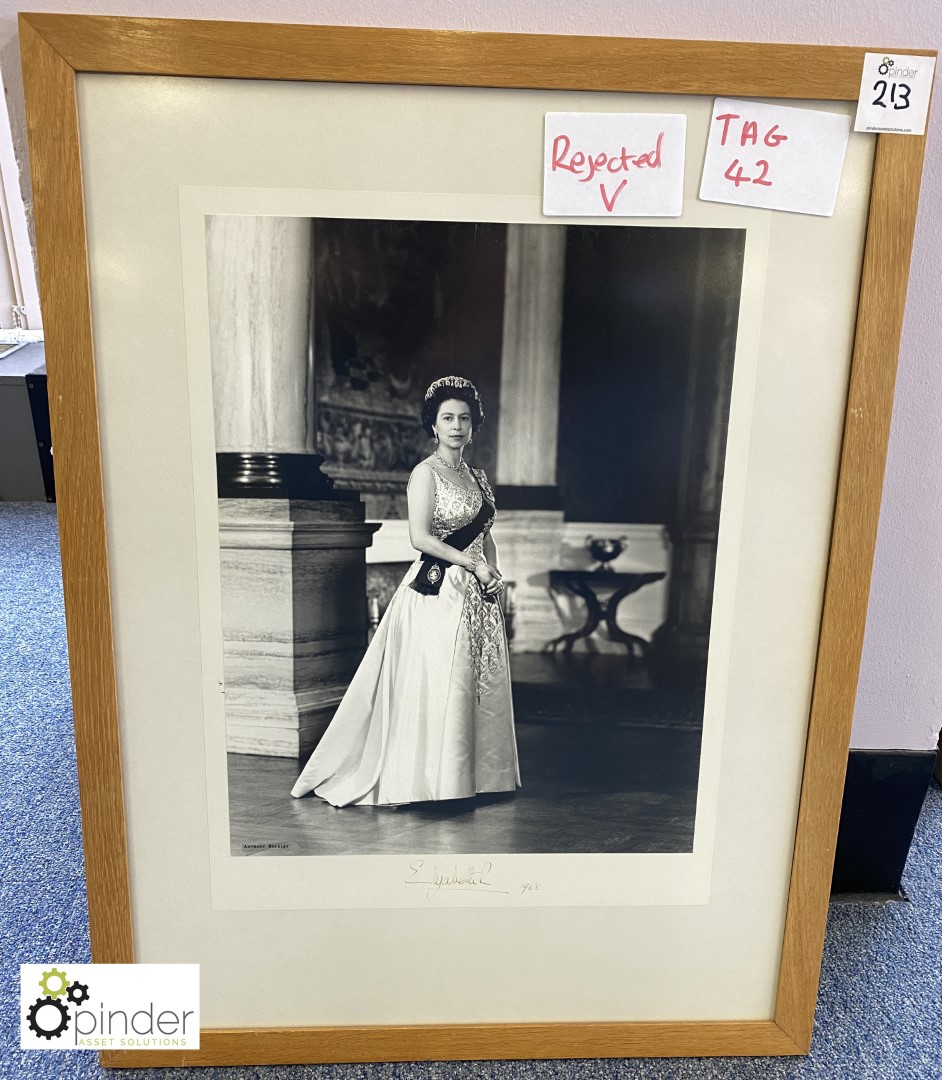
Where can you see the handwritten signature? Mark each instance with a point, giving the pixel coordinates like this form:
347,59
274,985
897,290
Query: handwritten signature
471,879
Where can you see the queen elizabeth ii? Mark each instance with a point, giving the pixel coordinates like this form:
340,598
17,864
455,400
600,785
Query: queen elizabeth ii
428,714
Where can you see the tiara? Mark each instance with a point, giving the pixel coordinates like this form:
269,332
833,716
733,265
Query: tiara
453,380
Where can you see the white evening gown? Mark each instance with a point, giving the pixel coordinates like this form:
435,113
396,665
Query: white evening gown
428,714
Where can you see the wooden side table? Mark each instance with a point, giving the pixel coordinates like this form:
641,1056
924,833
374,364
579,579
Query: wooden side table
602,591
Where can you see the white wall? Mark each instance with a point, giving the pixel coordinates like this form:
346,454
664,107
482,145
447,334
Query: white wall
899,702
19,296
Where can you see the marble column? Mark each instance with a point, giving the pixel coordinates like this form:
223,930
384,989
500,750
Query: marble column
259,276
683,642
292,550
259,303
530,358
528,532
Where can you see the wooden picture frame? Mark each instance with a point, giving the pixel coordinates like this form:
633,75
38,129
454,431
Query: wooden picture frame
55,49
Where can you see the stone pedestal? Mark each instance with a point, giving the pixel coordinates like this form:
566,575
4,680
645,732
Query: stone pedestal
294,617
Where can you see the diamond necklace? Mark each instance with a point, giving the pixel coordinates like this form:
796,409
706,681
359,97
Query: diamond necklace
459,468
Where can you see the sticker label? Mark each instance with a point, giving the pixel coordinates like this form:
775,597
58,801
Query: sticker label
614,165
894,93
774,157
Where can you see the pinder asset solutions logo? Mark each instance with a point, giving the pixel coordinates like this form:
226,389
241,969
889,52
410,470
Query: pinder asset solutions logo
109,1007
889,68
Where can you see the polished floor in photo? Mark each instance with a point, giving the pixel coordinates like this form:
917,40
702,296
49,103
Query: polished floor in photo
608,759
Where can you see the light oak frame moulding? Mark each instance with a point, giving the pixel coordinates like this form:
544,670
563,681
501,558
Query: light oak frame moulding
57,47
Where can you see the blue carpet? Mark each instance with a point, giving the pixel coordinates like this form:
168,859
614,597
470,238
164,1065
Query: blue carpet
880,1008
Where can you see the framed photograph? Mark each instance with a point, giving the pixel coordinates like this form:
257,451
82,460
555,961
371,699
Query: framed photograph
464,603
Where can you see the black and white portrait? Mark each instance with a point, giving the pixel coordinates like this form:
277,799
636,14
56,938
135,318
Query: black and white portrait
470,477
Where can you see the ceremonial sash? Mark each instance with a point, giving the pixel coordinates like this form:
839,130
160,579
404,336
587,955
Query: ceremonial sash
428,581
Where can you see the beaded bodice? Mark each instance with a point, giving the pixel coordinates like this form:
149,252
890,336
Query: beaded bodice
456,506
